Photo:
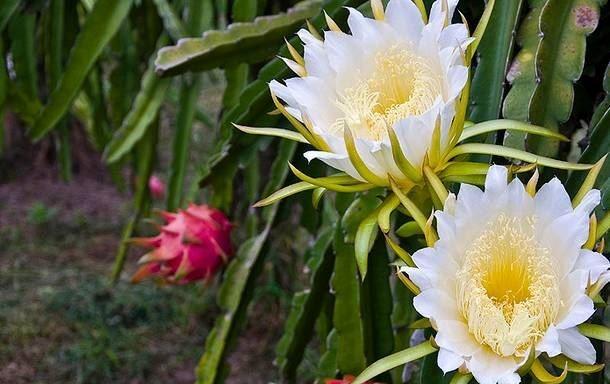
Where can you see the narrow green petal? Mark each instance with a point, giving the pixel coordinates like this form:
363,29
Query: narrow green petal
492,149
409,229
386,209
461,378
328,184
594,331
358,163
284,192
542,375
401,160
510,125
399,251
589,182
395,360
277,132
560,361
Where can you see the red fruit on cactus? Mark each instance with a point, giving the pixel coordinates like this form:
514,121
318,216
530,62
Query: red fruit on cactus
156,187
192,245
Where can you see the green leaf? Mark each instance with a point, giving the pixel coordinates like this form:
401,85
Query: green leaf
522,74
7,8
101,24
377,305
55,25
305,307
145,162
429,371
242,42
144,109
347,318
493,60
22,33
254,100
171,22
237,287
187,108
327,367
395,360
189,92
599,145
4,82
552,59
560,58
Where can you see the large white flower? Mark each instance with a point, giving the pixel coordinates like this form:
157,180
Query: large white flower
507,275
394,71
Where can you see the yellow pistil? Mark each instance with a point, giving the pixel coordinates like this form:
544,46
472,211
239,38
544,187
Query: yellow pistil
402,84
507,290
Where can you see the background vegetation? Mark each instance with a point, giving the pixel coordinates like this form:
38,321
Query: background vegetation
88,96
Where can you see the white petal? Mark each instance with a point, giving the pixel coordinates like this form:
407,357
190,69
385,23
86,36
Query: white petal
496,180
578,310
405,18
436,305
490,368
311,95
457,77
453,36
454,336
576,346
588,203
281,91
519,202
593,263
372,34
512,378
449,361
564,237
340,162
445,225
549,342
552,201
415,134
316,60
436,11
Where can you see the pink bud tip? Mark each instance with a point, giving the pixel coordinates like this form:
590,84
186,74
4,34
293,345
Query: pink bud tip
156,187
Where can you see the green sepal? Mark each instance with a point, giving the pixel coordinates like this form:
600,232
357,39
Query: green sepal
560,361
325,183
357,161
395,360
541,374
492,149
401,160
509,125
276,132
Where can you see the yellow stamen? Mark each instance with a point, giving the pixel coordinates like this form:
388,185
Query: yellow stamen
507,290
402,84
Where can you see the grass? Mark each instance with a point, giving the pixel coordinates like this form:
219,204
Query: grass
61,321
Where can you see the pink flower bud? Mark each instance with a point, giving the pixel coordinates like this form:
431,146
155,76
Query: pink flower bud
193,245
156,187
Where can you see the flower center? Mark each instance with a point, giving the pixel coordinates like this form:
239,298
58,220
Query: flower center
402,84
507,289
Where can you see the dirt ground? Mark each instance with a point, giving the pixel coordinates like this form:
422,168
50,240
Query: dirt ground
60,320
